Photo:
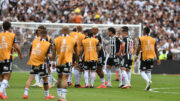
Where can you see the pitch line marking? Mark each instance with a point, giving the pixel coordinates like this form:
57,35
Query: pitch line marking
156,90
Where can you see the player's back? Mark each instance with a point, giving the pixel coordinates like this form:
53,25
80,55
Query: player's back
90,49
64,47
148,47
6,43
78,37
38,52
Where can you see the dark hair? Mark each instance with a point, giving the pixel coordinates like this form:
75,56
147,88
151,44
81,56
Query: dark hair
6,25
113,30
43,32
74,30
164,51
125,29
90,33
146,30
86,31
42,27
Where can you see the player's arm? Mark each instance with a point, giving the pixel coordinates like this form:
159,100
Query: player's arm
53,56
98,46
138,49
157,54
123,48
16,46
76,52
119,53
81,52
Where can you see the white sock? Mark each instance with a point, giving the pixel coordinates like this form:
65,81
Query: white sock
76,75
93,75
108,75
86,77
120,77
148,73
125,77
26,90
46,92
59,92
64,92
79,77
103,81
70,77
4,92
37,78
41,81
129,76
4,84
50,78
144,76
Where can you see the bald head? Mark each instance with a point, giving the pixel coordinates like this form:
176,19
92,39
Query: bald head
65,30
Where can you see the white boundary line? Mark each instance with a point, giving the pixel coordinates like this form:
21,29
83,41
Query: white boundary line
155,90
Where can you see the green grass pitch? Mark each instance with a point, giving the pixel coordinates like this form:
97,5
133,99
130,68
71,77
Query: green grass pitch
166,88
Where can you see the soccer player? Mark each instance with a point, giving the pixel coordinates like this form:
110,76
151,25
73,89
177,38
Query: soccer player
90,46
101,57
64,47
7,41
148,46
39,52
37,35
113,59
78,36
127,53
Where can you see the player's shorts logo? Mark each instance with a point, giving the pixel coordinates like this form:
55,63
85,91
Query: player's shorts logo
5,68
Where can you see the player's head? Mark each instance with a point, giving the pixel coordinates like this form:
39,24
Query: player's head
90,33
146,31
86,32
65,30
125,30
44,33
40,28
6,26
79,28
95,30
111,31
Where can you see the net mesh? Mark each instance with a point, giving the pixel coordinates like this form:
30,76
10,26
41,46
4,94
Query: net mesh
25,33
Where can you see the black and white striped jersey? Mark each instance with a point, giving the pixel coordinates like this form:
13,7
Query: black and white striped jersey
129,46
115,43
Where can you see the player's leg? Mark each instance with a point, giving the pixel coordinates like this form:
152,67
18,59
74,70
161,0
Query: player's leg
70,79
76,76
124,73
143,68
108,70
28,83
37,83
86,74
101,75
93,66
44,74
6,69
59,86
64,86
128,70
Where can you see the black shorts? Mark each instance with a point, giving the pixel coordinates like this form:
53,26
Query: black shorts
101,58
5,68
126,63
113,61
90,65
42,70
64,69
147,65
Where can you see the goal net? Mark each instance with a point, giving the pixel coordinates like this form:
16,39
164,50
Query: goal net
25,32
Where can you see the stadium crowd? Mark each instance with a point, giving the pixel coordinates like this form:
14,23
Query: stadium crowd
162,16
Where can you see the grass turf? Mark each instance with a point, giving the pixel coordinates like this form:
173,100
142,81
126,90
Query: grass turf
169,83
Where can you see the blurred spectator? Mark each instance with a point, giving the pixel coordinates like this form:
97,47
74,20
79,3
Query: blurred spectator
163,56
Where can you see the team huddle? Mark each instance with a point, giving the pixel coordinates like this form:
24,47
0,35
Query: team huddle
81,50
